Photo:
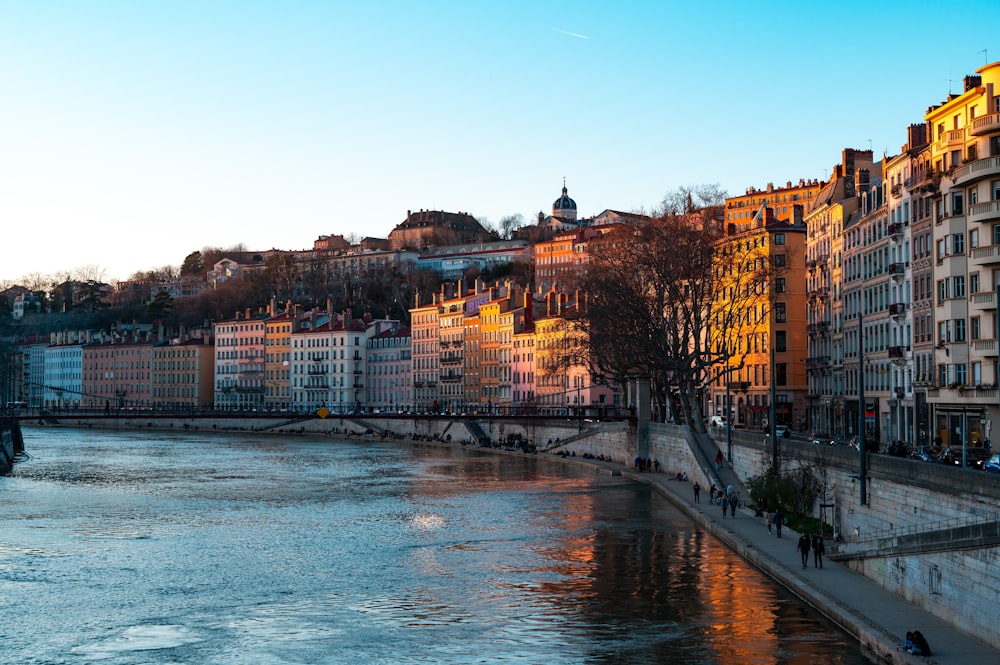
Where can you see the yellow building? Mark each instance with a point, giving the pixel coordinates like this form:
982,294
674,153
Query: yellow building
277,361
963,163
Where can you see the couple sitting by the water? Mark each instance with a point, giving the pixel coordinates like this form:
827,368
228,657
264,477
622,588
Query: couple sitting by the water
916,644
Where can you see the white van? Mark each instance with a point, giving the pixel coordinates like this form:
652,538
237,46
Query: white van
717,421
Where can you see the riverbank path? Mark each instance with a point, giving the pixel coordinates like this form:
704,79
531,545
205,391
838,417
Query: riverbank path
878,618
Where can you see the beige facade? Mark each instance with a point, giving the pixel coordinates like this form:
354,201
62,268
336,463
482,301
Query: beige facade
963,162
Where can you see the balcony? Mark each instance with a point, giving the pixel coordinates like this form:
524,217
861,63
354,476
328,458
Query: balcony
984,212
984,300
898,353
977,170
738,386
897,189
817,361
313,387
819,327
900,392
317,371
985,256
923,181
897,309
952,137
895,230
985,347
986,125
897,270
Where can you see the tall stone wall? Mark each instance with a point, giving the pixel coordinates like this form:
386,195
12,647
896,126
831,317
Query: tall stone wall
961,586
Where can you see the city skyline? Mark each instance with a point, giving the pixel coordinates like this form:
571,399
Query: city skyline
134,135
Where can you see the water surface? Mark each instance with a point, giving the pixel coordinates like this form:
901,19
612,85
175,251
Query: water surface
151,547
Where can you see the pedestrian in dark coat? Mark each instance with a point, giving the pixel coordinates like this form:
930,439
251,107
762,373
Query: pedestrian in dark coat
779,519
697,492
819,549
804,546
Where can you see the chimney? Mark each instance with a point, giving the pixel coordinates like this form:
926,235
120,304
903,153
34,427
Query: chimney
862,178
528,304
249,314
797,214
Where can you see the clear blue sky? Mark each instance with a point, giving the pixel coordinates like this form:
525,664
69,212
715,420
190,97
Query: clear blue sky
132,133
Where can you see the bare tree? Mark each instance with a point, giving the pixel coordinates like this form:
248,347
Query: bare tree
89,273
670,298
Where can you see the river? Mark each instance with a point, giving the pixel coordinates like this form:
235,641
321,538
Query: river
156,547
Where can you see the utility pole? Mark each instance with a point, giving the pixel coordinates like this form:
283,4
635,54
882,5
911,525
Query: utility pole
862,446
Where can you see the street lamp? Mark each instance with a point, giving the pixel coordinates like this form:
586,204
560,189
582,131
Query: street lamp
729,410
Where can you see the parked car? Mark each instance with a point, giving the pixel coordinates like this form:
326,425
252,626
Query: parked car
782,431
992,465
924,454
975,458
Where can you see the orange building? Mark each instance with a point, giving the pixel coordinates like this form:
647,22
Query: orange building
773,319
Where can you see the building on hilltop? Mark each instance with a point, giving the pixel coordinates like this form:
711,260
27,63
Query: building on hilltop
426,228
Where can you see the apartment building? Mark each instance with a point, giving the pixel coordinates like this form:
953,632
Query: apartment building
239,361
827,320
774,319
182,372
278,358
389,383
963,165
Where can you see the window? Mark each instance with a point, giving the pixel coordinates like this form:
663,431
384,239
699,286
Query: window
973,196
779,260
973,238
958,244
977,374
779,313
779,285
779,238
944,291
974,283
959,286
960,376
959,330
780,374
995,187
957,203
974,327
944,332
780,341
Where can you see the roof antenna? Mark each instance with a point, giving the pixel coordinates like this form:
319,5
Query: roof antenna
949,87
986,56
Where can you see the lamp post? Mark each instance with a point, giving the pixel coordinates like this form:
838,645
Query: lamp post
729,411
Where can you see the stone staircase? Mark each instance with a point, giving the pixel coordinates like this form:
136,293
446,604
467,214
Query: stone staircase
960,533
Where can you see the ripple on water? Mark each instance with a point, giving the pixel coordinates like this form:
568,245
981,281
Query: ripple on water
149,637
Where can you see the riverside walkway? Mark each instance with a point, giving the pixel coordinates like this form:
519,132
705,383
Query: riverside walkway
877,618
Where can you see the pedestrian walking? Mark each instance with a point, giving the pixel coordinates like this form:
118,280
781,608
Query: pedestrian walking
768,519
718,460
779,519
804,546
712,492
724,502
819,549
697,492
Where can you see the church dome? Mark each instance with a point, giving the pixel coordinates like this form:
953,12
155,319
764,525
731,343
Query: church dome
564,206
